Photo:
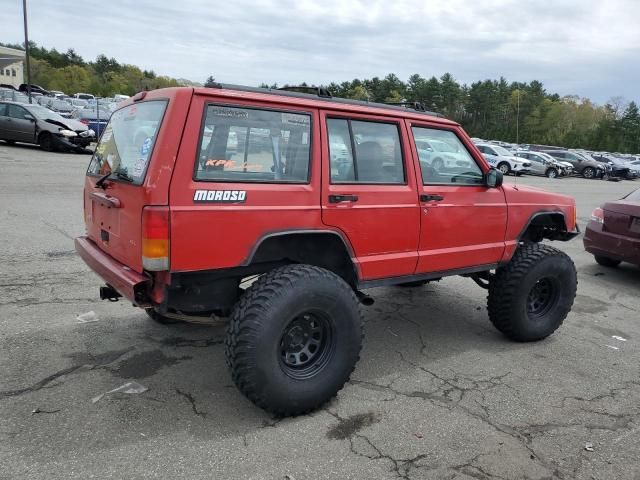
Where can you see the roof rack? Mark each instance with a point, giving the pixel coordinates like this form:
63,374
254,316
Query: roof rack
417,106
318,93
313,90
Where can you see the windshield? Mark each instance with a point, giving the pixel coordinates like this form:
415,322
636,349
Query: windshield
43,113
127,142
501,150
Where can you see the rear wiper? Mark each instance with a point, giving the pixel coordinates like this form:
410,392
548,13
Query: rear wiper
102,179
124,176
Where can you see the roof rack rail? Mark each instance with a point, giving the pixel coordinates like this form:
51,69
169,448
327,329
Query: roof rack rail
417,106
312,89
290,92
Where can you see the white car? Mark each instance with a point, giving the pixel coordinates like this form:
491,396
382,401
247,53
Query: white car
439,154
502,159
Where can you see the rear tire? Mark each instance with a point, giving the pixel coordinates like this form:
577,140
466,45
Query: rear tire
294,339
606,261
530,297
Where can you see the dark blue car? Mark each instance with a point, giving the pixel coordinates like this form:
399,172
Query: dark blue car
94,119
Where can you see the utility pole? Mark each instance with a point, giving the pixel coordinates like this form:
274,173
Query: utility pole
26,49
518,120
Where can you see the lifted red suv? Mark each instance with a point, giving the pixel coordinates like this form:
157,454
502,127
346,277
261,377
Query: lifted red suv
194,193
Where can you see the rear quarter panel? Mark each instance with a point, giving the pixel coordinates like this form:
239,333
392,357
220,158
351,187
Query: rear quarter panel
213,236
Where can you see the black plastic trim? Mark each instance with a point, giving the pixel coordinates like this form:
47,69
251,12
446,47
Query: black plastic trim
540,214
384,282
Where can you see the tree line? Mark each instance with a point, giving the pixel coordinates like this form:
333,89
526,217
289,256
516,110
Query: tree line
70,73
491,109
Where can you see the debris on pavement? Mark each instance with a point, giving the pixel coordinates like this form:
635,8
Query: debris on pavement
616,337
588,447
418,435
39,410
129,387
88,317
612,347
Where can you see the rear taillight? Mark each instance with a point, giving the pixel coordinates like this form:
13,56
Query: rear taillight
597,215
155,238
85,121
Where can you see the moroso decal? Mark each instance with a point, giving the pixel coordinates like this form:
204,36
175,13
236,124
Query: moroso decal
219,196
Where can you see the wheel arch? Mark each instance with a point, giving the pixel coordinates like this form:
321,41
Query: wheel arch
545,224
322,248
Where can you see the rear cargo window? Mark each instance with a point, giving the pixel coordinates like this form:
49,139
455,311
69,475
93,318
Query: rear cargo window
253,145
127,142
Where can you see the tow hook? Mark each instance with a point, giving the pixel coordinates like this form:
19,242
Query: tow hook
109,293
364,298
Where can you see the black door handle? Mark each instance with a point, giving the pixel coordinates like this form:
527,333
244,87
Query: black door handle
342,198
431,198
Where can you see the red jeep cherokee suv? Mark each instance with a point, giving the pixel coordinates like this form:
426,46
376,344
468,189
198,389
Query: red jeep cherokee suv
192,194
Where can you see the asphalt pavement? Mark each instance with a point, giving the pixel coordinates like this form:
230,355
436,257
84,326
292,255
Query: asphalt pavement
438,393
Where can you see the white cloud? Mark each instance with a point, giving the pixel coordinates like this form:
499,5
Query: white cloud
584,47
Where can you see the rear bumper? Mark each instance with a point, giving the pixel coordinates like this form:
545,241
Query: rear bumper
611,245
128,283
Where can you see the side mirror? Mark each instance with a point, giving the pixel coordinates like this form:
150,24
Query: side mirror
493,178
29,117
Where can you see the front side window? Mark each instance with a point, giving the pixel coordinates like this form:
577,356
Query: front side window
253,145
365,152
17,112
444,160
127,142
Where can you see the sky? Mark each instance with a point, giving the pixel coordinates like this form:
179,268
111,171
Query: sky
575,47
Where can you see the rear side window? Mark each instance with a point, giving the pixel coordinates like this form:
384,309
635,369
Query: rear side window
254,145
127,142
365,152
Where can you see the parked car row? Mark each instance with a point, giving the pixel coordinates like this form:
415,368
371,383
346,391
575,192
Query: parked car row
554,161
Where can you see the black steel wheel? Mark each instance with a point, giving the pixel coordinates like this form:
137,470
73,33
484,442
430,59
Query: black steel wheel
294,339
306,345
530,297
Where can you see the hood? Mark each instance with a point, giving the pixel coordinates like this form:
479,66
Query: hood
69,124
535,195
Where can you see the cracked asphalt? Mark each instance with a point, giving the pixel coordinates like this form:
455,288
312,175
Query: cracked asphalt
438,393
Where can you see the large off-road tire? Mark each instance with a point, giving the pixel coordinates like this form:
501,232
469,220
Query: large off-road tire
530,297
294,339
606,261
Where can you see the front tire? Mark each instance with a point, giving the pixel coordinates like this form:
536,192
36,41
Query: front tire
504,167
438,164
530,297
606,261
45,140
588,172
294,339
552,173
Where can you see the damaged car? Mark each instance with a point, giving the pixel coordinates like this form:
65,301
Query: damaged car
31,123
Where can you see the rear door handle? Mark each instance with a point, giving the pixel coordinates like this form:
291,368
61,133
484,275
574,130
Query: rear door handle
431,198
342,198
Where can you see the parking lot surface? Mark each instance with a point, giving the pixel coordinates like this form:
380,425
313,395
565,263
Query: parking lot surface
438,393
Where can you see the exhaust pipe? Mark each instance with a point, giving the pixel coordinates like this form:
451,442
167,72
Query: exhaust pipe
109,293
364,298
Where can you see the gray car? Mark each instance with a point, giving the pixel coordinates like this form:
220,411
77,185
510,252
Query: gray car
541,163
31,123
